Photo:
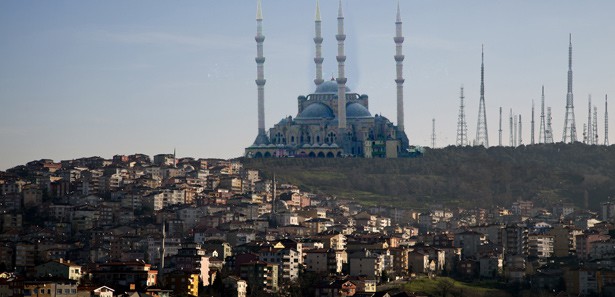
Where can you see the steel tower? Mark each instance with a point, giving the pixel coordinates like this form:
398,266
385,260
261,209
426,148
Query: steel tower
606,121
532,132
542,135
500,130
511,133
482,136
570,131
520,131
462,127
433,133
589,129
594,134
549,130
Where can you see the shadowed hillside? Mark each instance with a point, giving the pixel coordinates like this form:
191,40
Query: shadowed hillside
464,176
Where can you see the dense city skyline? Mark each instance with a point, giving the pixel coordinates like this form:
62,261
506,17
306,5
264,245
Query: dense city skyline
83,79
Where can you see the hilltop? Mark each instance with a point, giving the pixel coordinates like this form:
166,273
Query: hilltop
462,176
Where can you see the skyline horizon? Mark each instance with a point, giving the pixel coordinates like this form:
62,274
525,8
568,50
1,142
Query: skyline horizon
150,57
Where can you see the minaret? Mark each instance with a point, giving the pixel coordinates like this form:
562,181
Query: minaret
318,59
532,132
341,76
606,120
542,135
482,137
500,130
399,59
570,131
261,138
462,127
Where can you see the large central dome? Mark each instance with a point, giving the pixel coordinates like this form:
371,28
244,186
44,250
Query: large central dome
329,87
316,111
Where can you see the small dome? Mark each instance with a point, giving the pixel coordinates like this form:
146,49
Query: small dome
329,87
356,110
316,111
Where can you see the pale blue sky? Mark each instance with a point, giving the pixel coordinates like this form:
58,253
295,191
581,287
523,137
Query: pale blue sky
86,78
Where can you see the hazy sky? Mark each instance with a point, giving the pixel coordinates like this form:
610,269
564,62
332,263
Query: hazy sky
98,78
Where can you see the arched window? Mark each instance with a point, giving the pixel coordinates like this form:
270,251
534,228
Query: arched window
331,137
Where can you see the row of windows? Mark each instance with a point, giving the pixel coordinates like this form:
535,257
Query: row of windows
37,291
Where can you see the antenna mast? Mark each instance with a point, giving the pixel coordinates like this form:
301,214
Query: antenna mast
549,131
542,135
462,127
482,136
532,132
570,131
606,120
433,133
500,130
512,137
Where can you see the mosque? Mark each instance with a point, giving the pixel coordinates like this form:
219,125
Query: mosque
333,121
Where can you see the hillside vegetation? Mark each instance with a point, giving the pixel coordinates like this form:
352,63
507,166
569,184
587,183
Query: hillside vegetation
463,176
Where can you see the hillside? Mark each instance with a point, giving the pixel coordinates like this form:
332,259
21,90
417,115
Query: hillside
464,176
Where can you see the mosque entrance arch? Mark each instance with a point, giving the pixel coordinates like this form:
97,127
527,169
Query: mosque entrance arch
312,155
321,155
258,155
330,155
267,155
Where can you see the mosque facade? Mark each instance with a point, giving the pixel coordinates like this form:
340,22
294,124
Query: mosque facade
325,126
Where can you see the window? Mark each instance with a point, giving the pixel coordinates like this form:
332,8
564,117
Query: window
59,291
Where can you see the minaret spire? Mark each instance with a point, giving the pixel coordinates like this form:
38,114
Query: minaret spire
570,131
542,135
318,59
261,138
341,76
399,60
482,136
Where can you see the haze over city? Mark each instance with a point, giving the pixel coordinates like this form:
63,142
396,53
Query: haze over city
101,78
